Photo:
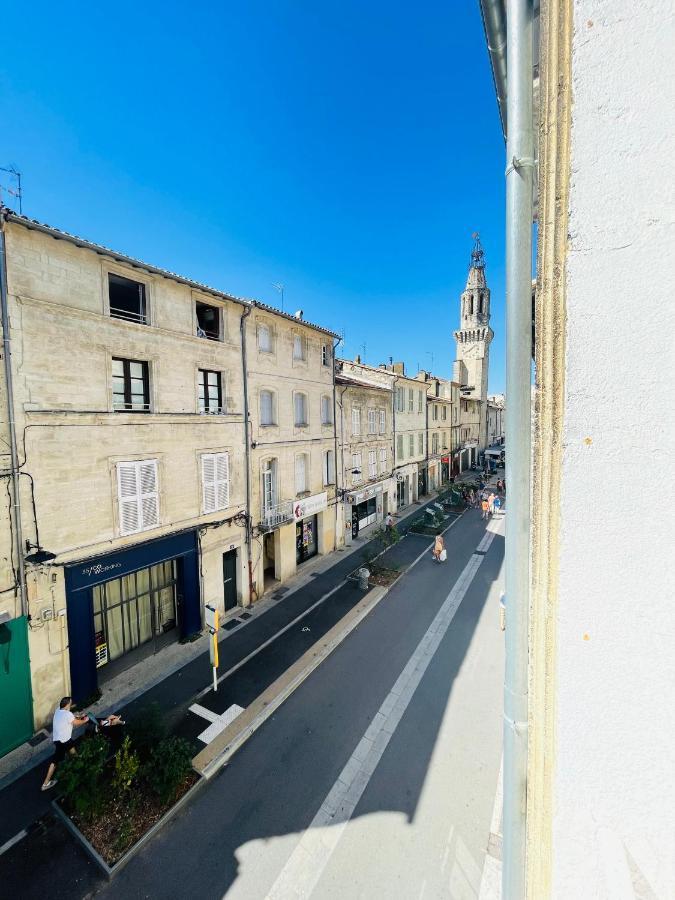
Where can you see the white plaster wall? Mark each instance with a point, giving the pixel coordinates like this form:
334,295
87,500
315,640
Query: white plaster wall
614,781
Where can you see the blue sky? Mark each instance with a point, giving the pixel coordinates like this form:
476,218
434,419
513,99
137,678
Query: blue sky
347,150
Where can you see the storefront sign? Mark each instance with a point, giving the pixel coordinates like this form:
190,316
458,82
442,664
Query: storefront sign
310,505
365,494
445,459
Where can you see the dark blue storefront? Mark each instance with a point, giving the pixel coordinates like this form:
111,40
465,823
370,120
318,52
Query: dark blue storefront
86,580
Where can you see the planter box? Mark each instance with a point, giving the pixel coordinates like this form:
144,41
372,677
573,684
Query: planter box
111,870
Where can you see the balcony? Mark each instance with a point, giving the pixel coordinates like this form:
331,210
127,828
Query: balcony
272,517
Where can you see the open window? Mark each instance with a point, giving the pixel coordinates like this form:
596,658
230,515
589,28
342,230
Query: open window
208,321
127,299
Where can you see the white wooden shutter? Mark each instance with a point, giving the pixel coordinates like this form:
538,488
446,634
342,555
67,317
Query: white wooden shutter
383,421
149,495
222,480
266,408
127,485
300,474
356,421
209,482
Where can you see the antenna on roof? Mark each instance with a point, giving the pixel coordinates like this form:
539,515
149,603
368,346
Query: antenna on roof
15,191
363,348
280,289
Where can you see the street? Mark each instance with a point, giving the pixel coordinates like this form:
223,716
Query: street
376,778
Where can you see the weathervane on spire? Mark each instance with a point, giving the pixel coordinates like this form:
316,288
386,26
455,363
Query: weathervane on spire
477,254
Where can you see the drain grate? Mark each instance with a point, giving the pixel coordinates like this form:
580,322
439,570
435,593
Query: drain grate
246,615
228,626
37,739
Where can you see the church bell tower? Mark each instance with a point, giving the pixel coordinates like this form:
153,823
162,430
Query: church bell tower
474,337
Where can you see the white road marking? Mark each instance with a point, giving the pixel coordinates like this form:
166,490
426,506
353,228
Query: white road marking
302,872
218,722
13,840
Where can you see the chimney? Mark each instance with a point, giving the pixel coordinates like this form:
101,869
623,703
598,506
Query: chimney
398,368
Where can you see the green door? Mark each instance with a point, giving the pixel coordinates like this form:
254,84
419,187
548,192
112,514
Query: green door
16,720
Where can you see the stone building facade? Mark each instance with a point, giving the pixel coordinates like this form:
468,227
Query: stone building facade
439,428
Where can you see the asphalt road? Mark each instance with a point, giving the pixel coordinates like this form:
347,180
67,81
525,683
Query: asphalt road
416,823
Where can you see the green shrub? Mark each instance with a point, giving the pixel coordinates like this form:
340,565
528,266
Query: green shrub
169,764
127,764
81,777
147,730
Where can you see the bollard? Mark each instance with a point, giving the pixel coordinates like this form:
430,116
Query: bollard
364,575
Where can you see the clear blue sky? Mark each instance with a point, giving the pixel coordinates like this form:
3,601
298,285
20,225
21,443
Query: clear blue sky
345,149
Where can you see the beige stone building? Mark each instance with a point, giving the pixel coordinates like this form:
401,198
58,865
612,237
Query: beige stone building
365,446
439,428
128,424
410,444
290,378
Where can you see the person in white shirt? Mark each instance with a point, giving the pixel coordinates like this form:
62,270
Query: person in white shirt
62,735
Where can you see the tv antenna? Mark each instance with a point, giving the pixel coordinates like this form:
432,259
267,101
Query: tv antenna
13,191
280,289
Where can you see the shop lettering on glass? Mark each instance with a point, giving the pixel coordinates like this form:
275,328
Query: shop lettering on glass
99,569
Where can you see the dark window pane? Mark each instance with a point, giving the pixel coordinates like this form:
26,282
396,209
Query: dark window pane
127,299
208,321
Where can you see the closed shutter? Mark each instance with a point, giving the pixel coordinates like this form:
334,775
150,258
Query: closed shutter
383,421
356,421
209,482
127,483
215,481
372,463
300,474
383,460
138,495
266,408
222,480
300,409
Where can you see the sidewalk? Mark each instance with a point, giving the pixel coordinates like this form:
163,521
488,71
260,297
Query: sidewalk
247,635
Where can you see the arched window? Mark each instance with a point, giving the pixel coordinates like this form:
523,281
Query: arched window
482,306
471,306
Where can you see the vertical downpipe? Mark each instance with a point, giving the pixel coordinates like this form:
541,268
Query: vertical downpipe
247,454
519,180
14,456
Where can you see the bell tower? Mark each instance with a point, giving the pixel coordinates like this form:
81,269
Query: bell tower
474,337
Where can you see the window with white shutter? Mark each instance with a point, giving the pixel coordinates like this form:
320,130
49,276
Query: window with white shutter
357,474
138,495
372,421
326,410
215,481
301,409
411,445
264,339
298,346
356,420
383,459
420,402
328,467
301,473
267,408
372,464
420,440
383,421
399,446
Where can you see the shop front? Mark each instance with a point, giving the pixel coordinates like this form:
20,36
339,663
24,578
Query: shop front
306,513
422,480
128,605
445,469
366,507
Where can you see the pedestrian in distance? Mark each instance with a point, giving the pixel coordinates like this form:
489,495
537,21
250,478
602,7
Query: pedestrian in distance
62,735
485,506
497,504
389,522
491,502
438,552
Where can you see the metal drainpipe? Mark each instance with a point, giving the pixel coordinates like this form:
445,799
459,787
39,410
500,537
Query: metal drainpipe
247,453
519,180
14,456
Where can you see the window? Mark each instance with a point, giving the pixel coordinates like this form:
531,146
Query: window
411,400
444,441
454,415
434,442
215,481
372,463
301,473
411,445
372,421
138,495
208,321
328,467
400,399
420,402
269,484
482,307
131,385
264,339
127,299
300,410
383,459
325,354
210,392
356,420
326,410
399,446
383,421
471,305
356,468
267,410
420,443
435,412
444,413
298,346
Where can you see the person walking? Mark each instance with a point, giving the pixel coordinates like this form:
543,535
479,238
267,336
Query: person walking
439,548
485,506
62,735
491,502
497,504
